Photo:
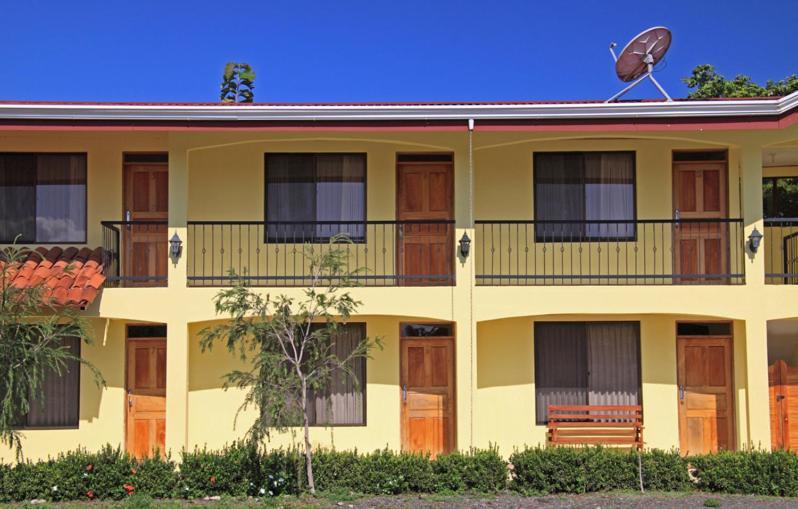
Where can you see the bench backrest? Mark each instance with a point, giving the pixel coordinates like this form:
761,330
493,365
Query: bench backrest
615,425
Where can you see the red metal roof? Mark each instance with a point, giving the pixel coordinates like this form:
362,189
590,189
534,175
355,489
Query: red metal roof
70,277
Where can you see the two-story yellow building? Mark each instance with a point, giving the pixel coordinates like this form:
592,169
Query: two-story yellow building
517,255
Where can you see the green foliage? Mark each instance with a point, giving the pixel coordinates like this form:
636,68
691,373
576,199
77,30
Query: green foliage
708,83
32,334
238,83
712,502
591,469
289,343
482,471
748,472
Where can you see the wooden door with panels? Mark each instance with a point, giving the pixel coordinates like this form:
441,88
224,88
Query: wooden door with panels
783,389
427,394
706,394
700,248
146,396
425,192
145,246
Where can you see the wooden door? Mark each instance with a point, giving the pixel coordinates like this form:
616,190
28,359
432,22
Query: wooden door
783,382
146,396
427,392
425,193
706,408
145,246
700,248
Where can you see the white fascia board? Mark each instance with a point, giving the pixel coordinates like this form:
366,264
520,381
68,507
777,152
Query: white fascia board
559,111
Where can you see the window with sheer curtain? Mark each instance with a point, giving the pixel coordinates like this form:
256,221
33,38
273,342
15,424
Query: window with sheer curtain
583,196
586,363
43,198
312,197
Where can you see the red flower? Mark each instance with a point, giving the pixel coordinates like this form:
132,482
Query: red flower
213,480
89,467
129,488
90,494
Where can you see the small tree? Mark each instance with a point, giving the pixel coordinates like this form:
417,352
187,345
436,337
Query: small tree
238,83
32,334
708,83
289,343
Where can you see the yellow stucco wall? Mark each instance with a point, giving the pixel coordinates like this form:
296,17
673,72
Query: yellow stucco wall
219,176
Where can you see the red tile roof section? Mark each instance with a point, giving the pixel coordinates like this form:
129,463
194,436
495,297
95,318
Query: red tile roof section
70,277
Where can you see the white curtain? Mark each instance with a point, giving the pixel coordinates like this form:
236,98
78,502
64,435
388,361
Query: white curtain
61,198
609,194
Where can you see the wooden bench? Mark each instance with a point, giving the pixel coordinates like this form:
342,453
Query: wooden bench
612,425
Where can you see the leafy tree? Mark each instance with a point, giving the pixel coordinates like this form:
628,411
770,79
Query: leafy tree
238,83
708,83
32,334
288,343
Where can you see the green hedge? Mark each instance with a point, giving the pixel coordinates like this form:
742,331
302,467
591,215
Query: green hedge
246,470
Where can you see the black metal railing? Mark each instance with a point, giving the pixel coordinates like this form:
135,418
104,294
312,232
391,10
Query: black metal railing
781,251
274,253
135,253
641,252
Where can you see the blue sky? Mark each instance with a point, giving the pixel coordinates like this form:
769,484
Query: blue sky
372,50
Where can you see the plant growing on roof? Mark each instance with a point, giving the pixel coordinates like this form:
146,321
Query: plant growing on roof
289,344
33,331
238,83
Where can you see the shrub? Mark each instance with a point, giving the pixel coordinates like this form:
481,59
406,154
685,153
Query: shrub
482,471
748,472
591,469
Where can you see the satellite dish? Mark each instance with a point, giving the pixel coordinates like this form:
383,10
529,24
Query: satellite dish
638,58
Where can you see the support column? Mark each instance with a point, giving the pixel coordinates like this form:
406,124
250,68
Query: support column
751,173
177,328
756,361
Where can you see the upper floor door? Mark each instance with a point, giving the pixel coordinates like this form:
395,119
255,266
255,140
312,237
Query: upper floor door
146,203
700,246
425,193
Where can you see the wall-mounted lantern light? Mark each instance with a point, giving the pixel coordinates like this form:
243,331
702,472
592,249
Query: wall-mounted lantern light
754,239
465,245
175,246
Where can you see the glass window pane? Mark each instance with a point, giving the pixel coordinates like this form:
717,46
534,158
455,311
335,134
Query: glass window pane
17,197
786,197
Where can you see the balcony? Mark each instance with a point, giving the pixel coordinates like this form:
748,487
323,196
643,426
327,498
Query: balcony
641,252
781,251
135,253
383,253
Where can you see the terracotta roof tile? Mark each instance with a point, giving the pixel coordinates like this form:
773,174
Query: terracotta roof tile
70,276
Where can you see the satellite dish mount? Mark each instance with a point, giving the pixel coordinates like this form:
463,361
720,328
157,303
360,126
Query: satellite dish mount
638,58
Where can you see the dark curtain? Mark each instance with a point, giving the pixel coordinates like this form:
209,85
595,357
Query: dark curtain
586,363
60,407
17,197
315,187
583,187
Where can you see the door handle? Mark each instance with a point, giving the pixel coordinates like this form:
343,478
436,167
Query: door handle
677,215
128,217
681,393
404,393
129,399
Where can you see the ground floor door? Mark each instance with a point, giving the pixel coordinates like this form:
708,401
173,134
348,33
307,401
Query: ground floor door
706,409
783,382
425,207
145,251
146,395
427,394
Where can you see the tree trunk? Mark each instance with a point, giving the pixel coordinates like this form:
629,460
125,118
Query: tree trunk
308,449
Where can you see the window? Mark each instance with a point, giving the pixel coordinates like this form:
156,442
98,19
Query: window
586,363
344,401
308,189
574,188
43,198
780,195
61,405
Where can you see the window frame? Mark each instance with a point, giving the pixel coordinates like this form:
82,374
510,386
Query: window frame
315,239
84,240
774,179
638,329
24,419
584,238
